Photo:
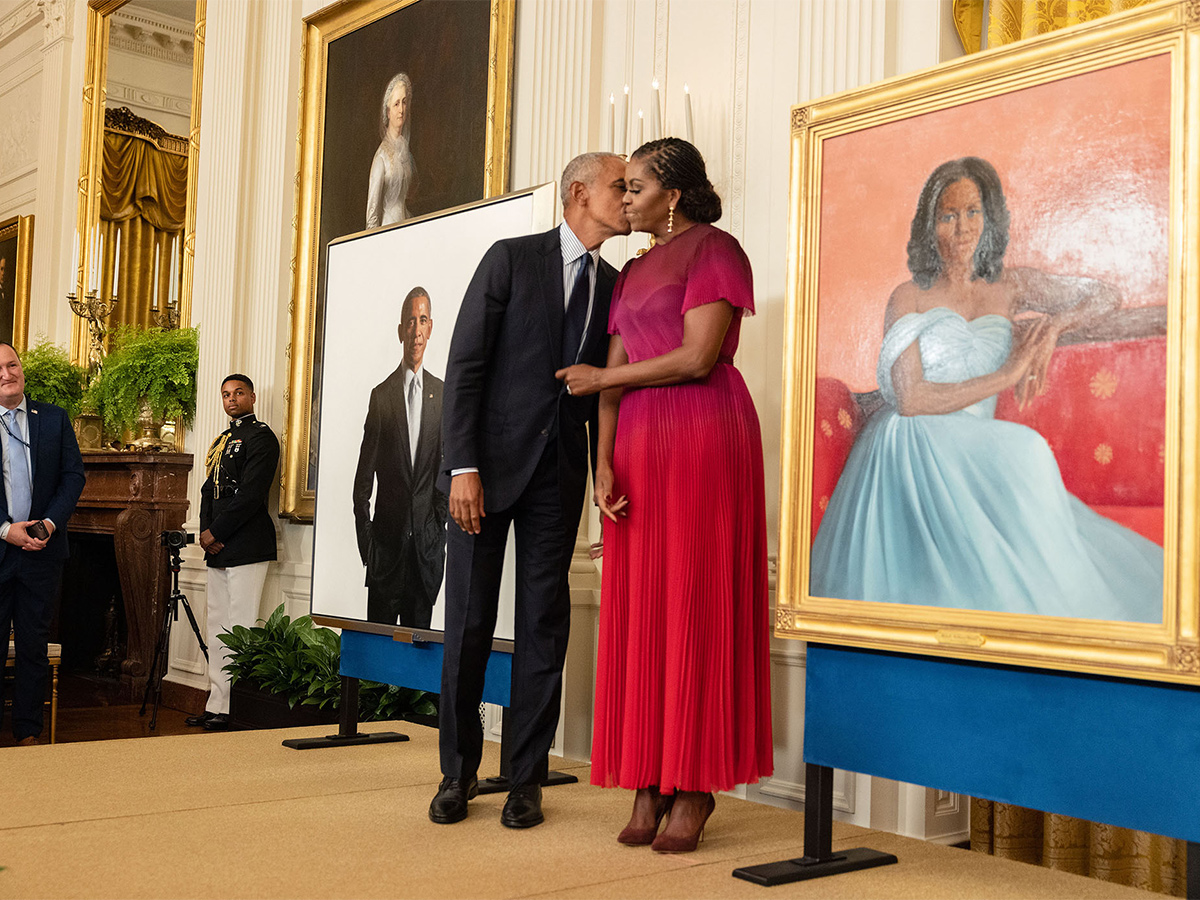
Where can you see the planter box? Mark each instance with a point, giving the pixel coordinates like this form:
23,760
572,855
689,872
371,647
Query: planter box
252,708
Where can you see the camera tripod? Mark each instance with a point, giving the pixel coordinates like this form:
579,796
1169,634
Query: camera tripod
158,667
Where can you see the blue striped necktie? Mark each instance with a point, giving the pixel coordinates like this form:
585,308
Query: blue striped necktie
18,466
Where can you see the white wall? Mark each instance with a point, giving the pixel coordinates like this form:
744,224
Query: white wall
746,64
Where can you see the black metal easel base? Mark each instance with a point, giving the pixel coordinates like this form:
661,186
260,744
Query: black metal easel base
348,734
340,740
818,860
500,784
804,868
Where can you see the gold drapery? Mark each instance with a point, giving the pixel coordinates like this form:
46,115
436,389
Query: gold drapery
144,197
1139,859
1014,20
1136,858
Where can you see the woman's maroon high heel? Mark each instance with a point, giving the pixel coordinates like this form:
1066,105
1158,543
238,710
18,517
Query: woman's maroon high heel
666,843
639,836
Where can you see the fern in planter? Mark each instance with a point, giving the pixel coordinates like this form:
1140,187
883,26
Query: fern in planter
299,661
51,377
148,364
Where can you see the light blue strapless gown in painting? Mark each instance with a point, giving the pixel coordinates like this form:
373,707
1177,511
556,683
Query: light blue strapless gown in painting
963,510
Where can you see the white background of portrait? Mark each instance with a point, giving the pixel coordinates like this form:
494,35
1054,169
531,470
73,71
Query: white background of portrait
368,277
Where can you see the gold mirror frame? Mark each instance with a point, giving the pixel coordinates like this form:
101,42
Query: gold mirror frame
21,228
95,93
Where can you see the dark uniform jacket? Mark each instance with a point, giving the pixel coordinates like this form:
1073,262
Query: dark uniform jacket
241,466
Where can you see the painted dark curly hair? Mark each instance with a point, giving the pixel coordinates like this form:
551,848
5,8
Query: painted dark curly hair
924,260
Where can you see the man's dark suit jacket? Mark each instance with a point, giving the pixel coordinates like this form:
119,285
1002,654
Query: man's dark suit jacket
58,479
503,403
409,506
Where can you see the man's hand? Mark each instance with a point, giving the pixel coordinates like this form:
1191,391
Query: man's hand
466,501
19,537
209,543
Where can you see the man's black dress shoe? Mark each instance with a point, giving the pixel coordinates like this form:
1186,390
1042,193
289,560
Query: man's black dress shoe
523,808
198,720
450,803
219,722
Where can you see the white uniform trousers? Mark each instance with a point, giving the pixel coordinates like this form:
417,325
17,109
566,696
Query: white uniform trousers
233,597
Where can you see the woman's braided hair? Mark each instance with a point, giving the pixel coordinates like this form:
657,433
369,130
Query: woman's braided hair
678,165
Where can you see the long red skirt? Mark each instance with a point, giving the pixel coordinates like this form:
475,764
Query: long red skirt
682,685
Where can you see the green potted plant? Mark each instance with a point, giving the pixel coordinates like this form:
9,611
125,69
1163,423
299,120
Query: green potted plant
284,672
149,376
51,377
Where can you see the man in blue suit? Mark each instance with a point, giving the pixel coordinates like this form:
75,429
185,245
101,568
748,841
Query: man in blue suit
43,478
515,452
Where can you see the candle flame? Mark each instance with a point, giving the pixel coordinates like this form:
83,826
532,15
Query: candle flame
685,89
639,114
654,84
612,98
626,89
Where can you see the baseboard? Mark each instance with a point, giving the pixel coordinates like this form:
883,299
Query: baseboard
183,697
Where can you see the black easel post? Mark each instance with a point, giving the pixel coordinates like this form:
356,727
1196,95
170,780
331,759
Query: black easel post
348,734
1193,870
500,783
819,859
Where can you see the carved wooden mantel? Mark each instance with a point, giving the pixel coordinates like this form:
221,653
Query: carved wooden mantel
135,497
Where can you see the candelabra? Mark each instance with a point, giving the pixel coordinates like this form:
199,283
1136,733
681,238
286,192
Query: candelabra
168,318
94,310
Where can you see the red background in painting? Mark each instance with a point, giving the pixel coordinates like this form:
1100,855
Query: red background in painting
1085,166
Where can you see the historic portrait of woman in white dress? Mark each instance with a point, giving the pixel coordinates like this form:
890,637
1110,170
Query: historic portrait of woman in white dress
392,169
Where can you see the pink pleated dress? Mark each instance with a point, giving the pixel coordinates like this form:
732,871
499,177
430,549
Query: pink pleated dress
682,684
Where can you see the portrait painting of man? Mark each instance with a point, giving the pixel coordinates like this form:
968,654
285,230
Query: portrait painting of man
402,534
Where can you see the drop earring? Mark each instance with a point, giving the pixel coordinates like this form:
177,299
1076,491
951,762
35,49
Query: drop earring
670,219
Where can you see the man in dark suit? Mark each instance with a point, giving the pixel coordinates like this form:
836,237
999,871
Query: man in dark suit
43,478
403,545
516,453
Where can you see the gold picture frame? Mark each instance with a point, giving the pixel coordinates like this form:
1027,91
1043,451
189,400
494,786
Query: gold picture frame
16,252
859,161
95,95
339,115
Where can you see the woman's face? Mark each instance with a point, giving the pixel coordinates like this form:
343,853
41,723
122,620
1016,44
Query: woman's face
397,109
646,203
959,222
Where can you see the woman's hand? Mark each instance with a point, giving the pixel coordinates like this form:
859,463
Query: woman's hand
581,380
1030,359
603,493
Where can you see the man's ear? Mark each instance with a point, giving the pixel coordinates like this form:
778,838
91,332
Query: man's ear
579,193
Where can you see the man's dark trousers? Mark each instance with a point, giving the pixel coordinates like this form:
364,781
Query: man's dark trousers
28,587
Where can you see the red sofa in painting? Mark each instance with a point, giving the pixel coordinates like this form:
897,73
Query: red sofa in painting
1103,414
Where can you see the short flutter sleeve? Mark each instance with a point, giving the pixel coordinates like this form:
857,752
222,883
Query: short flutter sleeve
719,270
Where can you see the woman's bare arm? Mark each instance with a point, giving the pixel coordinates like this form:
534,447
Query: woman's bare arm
606,436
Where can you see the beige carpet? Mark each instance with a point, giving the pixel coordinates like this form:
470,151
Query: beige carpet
238,815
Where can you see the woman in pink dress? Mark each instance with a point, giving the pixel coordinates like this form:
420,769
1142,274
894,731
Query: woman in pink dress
682,692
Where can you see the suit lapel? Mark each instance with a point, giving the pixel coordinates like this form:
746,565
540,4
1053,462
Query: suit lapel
550,282
35,423
597,329
430,423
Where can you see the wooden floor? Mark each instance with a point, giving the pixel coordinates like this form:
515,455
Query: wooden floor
88,711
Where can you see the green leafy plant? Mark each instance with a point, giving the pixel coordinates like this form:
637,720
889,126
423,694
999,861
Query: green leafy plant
299,661
51,377
150,364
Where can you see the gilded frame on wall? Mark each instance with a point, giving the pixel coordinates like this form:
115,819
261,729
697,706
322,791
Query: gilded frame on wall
341,84
1079,216
16,251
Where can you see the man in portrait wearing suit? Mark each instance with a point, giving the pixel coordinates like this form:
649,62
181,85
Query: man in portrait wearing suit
43,478
516,453
403,542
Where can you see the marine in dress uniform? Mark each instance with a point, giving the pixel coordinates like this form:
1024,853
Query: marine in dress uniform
237,533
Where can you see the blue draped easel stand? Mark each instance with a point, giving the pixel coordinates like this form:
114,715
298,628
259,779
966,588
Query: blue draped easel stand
1110,750
414,660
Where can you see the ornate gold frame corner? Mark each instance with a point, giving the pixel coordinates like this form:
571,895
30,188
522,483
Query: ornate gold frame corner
1169,651
297,497
20,227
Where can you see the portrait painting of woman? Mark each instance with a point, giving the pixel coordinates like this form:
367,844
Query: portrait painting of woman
392,168
939,502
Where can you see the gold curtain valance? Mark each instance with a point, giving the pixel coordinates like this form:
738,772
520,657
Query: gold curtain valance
1015,20
140,180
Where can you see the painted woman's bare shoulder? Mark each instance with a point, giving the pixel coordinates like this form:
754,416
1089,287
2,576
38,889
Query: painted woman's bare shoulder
902,302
